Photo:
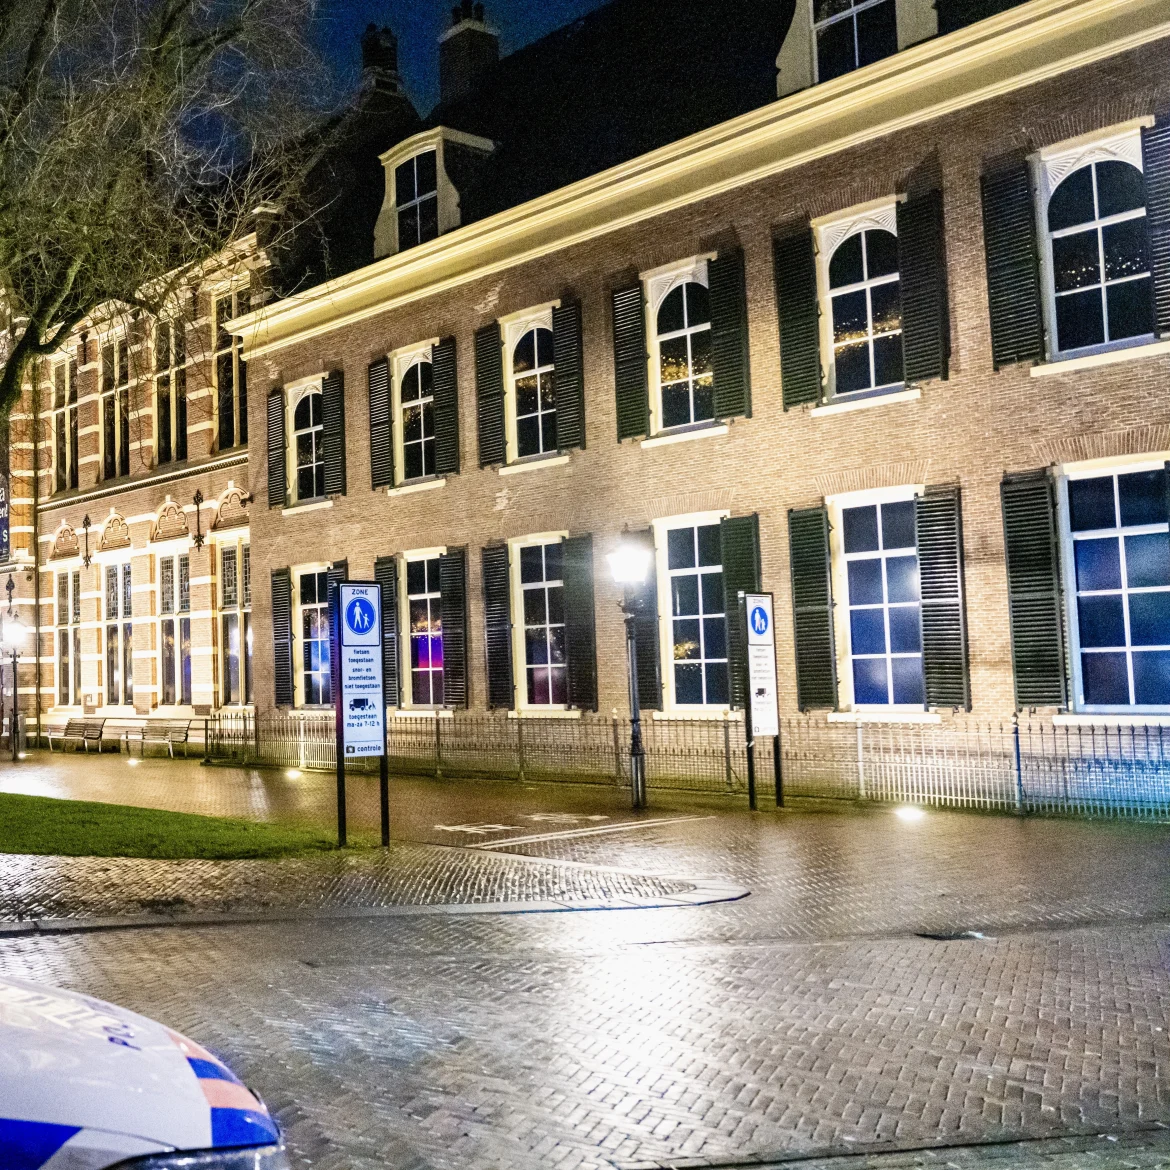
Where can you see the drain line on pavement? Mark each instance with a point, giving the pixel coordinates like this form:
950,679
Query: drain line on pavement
597,831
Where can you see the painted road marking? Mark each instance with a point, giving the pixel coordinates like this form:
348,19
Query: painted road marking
594,831
475,830
562,818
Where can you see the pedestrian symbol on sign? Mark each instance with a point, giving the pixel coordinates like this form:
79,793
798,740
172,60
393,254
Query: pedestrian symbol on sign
359,616
759,621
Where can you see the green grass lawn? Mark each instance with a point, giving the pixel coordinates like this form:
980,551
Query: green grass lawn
81,828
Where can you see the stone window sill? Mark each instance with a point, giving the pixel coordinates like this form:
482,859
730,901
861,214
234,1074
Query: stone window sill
424,713
1075,720
309,506
849,405
668,440
421,485
691,714
545,713
534,464
884,717
1110,357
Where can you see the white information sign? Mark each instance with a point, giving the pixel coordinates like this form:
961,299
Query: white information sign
761,649
363,711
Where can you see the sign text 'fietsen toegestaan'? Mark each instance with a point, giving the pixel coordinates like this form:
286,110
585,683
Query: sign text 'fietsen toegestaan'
761,649
363,710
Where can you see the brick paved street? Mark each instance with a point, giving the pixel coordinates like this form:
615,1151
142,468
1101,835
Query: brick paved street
806,1021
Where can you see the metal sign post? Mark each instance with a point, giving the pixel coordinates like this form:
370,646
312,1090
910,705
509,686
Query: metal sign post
356,621
763,706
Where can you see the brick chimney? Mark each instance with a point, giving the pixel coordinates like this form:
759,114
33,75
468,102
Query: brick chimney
380,60
466,51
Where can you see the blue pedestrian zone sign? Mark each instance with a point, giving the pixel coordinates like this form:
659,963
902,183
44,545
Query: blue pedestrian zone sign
363,709
760,621
360,616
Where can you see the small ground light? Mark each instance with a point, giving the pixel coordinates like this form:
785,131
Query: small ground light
909,813
293,774
22,755
132,762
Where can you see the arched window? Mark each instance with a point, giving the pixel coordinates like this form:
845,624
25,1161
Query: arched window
686,376
1100,256
534,375
417,397
866,297
309,444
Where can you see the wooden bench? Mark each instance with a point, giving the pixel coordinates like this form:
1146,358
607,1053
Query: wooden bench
79,731
168,733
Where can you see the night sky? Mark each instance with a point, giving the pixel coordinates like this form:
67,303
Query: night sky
418,24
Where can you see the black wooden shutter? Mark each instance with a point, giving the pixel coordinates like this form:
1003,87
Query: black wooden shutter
795,262
1013,271
1034,596
812,608
580,625
445,386
381,432
1156,164
740,540
333,418
489,395
497,606
926,328
277,477
569,382
453,611
337,572
729,336
648,667
938,517
386,574
630,359
282,676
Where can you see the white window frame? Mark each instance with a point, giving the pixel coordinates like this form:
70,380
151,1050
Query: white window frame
230,292
418,200
519,657
117,400
174,553
173,374
405,682
839,577
657,285
294,393
69,629
830,232
123,621
512,330
850,14
68,416
401,363
1092,469
670,703
242,608
1050,167
297,572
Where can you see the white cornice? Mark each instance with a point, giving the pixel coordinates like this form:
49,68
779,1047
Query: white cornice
1018,48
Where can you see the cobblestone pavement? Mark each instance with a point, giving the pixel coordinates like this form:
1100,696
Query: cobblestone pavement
808,1022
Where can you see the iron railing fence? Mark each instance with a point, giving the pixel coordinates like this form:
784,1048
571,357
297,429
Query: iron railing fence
1030,766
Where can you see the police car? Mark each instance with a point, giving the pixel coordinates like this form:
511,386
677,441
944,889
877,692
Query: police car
85,1085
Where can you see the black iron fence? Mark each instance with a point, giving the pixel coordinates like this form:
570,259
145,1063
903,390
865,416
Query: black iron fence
1031,766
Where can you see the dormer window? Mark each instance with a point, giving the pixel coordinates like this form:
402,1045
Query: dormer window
852,33
416,190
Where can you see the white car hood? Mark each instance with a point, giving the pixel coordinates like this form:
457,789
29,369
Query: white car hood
76,1072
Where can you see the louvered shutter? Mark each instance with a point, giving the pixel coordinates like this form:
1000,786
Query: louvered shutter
729,336
497,605
489,395
337,572
938,516
580,624
631,372
453,614
648,668
445,387
1013,271
282,676
740,540
812,608
277,476
795,263
926,330
569,381
386,574
1034,596
333,420
381,432
1156,164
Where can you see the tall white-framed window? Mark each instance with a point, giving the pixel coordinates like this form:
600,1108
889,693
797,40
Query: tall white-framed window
422,618
311,664
692,612
235,616
530,384
848,34
1091,206
170,392
414,414
66,460
231,371
416,199
861,300
682,375
119,613
307,440
115,408
540,649
874,546
69,638
174,606
1116,558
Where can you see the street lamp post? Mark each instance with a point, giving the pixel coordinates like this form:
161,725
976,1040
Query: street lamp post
12,636
630,565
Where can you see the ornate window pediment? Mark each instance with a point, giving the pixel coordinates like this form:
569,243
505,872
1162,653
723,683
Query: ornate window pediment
171,523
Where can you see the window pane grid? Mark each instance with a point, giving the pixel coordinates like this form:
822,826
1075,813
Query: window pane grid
314,607
850,35
417,420
698,618
309,445
417,200
542,597
866,314
534,374
424,600
686,374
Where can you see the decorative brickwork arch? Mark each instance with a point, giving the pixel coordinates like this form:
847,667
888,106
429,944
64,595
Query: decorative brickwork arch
115,534
65,544
171,522
232,508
